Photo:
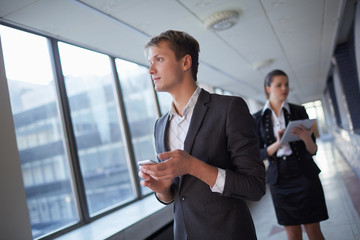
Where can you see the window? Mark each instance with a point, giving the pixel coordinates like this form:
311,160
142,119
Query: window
75,158
90,91
165,101
39,131
139,100
315,111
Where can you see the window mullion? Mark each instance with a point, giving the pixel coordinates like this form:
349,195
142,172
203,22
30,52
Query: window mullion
69,132
125,131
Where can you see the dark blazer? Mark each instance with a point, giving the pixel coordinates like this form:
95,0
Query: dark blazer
266,135
222,134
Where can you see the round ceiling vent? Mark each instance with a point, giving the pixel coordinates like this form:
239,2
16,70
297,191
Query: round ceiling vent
222,20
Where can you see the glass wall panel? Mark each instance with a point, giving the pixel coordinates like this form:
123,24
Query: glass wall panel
165,100
316,111
140,108
39,132
218,90
90,90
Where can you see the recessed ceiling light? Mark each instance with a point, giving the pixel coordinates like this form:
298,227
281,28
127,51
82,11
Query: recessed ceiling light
263,63
222,20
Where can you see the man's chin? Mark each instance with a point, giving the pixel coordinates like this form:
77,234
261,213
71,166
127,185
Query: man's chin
158,89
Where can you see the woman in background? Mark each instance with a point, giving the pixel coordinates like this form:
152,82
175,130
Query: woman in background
292,174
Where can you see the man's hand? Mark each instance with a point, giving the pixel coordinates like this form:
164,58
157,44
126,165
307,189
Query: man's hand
155,185
176,163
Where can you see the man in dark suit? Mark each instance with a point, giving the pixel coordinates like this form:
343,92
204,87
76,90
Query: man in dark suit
207,145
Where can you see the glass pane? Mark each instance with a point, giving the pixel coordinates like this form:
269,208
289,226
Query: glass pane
218,91
39,132
140,108
228,93
90,89
165,100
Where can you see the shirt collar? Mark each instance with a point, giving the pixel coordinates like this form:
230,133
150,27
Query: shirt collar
285,105
189,106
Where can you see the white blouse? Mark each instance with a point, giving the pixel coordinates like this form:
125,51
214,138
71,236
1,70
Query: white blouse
278,124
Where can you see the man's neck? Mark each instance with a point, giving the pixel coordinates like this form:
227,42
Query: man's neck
182,96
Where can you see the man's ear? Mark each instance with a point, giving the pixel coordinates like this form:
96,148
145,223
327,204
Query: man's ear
187,62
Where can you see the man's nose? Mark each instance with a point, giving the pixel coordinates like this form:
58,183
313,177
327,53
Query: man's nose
151,69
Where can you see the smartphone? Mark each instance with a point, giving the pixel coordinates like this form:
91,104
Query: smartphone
148,161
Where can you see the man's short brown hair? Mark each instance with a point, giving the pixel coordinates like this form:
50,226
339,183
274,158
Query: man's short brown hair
182,44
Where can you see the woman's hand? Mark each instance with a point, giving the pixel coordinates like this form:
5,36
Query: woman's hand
302,132
280,133
271,150
305,136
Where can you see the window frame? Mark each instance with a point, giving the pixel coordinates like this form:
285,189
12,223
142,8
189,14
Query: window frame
69,134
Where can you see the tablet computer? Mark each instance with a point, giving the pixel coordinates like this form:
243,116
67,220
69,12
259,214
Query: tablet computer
288,136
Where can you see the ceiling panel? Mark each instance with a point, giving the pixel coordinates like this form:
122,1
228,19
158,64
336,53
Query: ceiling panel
297,36
7,7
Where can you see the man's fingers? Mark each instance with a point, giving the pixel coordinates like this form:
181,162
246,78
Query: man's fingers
164,155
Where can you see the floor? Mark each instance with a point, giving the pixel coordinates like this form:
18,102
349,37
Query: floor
342,194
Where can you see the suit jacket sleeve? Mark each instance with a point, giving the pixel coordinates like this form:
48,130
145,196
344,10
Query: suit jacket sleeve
246,178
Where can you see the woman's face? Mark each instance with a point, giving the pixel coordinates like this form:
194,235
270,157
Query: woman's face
279,88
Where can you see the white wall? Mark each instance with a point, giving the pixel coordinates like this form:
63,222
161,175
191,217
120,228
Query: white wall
253,105
14,220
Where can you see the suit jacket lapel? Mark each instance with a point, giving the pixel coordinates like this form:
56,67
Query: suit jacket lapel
195,124
286,116
196,120
162,141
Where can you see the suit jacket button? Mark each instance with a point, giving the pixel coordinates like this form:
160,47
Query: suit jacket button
182,198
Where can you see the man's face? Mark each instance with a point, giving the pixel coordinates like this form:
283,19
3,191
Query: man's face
166,72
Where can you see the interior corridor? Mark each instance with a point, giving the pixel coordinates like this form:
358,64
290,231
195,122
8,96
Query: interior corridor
342,193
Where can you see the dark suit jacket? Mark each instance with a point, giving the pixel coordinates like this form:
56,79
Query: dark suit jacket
222,134
265,132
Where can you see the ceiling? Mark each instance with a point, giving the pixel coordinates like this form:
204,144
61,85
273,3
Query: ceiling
299,37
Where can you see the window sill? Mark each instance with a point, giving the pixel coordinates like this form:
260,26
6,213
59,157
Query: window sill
136,221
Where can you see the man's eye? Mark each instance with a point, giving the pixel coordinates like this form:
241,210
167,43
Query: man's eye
159,59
